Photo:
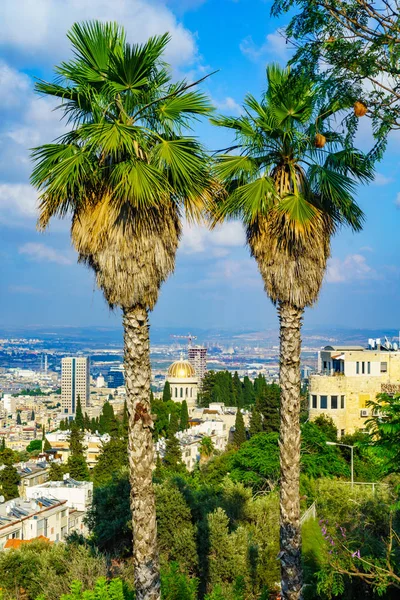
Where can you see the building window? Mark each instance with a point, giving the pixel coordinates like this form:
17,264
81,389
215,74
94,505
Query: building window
176,392
369,368
363,368
325,365
341,401
384,367
357,368
341,432
324,402
334,403
187,395
314,401
181,392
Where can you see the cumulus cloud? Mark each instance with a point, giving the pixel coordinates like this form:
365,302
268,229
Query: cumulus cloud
228,105
42,253
17,199
353,267
381,179
198,239
275,46
36,30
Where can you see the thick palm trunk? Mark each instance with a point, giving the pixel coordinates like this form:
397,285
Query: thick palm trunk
141,453
290,319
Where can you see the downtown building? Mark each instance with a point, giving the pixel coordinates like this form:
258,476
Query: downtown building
75,381
198,359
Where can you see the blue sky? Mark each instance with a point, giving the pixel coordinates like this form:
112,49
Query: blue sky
216,283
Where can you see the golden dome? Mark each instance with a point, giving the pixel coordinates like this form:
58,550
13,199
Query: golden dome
181,369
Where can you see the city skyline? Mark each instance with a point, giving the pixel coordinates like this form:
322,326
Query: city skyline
216,283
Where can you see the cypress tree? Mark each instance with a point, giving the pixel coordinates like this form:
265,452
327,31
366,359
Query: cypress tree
3,444
173,454
239,435
19,422
125,418
79,415
237,390
166,392
248,392
93,425
46,445
56,472
43,432
256,425
268,405
86,422
77,466
173,425
9,480
33,415
184,421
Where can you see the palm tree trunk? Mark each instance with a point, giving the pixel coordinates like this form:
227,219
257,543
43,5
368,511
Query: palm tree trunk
141,453
290,319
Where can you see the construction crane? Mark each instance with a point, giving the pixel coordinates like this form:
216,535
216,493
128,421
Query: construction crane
188,337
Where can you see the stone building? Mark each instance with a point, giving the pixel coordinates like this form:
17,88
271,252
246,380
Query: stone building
350,376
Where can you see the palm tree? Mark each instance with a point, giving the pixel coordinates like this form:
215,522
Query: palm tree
291,179
206,448
126,174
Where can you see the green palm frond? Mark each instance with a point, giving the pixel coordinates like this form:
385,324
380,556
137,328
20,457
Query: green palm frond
249,200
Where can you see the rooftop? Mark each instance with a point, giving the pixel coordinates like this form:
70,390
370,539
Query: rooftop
18,509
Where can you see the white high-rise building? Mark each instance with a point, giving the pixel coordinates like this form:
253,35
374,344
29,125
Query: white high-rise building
198,359
75,381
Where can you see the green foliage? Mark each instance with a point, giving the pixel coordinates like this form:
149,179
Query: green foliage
109,518
184,420
46,445
327,426
8,457
79,419
108,422
206,447
33,415
257,461
46,570
256,424
384,429
239,436
19,422
356,42
56,472
34,446
163,412
222,386
175,530
106,590
9,481
77,466
112,459
167,392
173,454
175,585
267,403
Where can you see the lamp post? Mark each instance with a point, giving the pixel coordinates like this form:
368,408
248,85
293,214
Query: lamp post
352,458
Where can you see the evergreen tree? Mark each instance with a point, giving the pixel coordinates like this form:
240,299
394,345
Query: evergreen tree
166,392
79,420
260,386
43,432
125,418
267,404
93,425
237,390
108,421
9,481
248,392
77,466
184,420
256,425
19,422
33,415
173,454
56,472
3,444
239,435
112,459
173,425
46,445
86,422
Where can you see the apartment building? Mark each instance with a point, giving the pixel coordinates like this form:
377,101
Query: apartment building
198,359
348,377
75,381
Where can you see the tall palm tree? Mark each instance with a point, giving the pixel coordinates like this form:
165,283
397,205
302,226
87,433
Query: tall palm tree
291,179
126,174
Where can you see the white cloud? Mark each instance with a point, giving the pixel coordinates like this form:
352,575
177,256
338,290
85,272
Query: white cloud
228,105
381,179
37,29
43,253
18,199
198,239
352,267
13,85
275,46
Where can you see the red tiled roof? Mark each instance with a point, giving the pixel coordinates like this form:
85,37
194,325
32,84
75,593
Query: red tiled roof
16,543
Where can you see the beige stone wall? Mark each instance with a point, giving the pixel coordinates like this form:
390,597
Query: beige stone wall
357,389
